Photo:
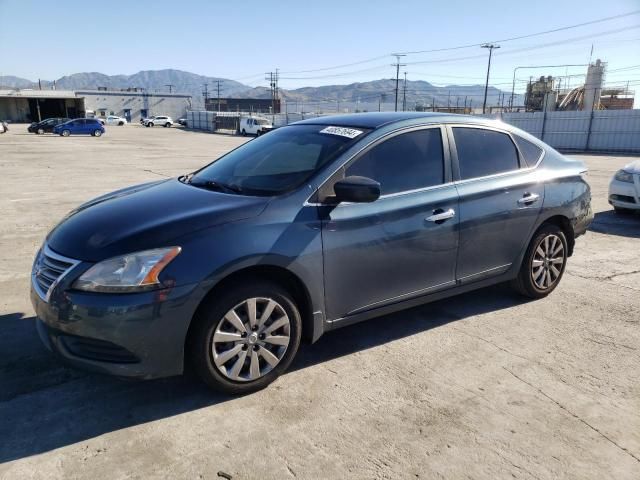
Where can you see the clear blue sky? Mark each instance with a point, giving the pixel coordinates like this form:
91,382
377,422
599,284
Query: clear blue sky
243,39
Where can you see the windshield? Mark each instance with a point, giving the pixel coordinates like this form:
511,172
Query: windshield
262,122
278,161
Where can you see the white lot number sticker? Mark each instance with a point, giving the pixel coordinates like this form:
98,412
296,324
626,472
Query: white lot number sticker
342,131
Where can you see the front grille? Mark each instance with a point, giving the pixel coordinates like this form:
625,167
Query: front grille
622,198
99,350
48,269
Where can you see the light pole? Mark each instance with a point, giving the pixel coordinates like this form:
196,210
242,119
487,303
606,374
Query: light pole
490,46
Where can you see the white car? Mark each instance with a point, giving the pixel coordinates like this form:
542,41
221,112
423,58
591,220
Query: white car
115,120
158,120
624,189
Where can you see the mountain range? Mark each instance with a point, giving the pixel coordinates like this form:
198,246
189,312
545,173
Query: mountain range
355,96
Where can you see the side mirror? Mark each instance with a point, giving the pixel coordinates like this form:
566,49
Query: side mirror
357,190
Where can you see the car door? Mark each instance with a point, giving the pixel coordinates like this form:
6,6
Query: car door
404,244
500,200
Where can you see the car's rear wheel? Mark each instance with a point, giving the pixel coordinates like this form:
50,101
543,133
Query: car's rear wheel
244,132
245,337
167,125
544,263
40,131
65,133
97,133
120,123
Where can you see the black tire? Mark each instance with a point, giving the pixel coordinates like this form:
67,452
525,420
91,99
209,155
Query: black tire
97,133
622,211
120,124
244,132
524,282
40,131
167,125
150,124
65,133
211,315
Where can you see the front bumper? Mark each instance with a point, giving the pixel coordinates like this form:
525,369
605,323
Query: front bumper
625,194
137,335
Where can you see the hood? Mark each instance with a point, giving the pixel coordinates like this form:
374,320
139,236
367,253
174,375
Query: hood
633,167
146,216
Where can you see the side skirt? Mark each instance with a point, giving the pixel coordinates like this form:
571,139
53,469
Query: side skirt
421,300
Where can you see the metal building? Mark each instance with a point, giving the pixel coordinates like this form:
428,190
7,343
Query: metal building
33,105
26,105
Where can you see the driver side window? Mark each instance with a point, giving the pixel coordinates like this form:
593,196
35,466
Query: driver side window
408,161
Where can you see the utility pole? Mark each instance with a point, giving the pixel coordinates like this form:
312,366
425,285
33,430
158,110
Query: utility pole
490,46
398,65
205,93
273,83
218,82
404,93
170,85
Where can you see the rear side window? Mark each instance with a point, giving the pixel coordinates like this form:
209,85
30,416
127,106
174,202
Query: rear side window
484,152
405,162
531,153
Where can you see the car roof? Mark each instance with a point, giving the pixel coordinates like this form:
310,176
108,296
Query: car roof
378,119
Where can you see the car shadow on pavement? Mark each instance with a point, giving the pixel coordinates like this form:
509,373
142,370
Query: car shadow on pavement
620,224
45,405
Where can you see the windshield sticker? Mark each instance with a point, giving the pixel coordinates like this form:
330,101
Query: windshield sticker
342,131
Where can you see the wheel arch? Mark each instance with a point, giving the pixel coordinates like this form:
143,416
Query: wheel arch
564,224
272,273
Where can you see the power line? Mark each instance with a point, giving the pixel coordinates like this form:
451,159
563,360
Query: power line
503,40
460,47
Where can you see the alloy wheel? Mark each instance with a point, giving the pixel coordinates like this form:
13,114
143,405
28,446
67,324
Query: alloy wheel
548,262
251,339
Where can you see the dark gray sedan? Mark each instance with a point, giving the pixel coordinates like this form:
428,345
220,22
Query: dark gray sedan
314,226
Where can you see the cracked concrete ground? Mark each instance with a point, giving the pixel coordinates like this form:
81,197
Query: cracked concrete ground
484,386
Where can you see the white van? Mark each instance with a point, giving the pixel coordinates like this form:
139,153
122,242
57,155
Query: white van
254,126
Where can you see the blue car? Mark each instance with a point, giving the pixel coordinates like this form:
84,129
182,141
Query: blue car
80,126
309,228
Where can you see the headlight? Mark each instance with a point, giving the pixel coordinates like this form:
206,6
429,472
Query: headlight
129,273
623,176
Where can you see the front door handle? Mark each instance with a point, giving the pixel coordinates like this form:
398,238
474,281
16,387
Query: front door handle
528,199
440,215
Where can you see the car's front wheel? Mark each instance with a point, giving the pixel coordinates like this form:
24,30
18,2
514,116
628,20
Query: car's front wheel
167,125
245,337
65,133
544,263
40,131
97,133
150,124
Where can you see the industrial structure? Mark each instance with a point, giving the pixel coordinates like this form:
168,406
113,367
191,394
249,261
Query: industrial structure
543,95
28,105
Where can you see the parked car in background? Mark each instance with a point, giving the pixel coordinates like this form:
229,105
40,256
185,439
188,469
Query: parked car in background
254,126
182,121
115,120
80,126
317,225
158,120
624,189
46,125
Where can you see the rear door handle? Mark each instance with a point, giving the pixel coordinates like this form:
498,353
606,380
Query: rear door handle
440,215
528,199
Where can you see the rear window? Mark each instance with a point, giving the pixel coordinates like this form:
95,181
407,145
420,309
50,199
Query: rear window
484,152
531,153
